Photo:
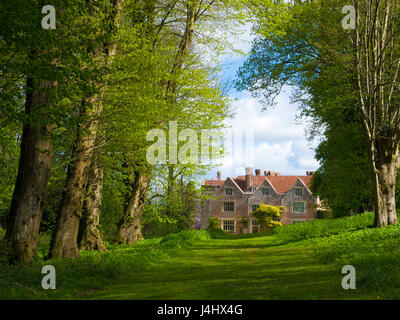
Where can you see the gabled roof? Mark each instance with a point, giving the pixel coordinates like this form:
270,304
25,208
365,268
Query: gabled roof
213,182
281,184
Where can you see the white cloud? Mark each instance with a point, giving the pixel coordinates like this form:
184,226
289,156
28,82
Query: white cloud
279,142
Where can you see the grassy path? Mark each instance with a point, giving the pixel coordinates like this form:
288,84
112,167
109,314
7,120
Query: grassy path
236,268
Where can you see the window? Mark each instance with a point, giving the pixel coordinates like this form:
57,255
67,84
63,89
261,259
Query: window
228,225
254,223
265,192
276,218
253,189
228,191
297,221
298,192
229,206
298,207
254,207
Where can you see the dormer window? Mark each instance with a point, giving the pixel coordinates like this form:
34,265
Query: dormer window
298,192
228,191
266,192
253,189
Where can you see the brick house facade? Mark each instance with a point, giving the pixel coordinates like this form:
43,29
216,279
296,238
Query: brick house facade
232,200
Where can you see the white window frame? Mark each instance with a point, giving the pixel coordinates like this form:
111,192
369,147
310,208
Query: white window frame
231,220
229,189
223,206
301,191
268,190
304,205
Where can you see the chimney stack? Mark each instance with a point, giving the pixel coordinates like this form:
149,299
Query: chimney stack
271,173
309,173
249,171
219,175
258,172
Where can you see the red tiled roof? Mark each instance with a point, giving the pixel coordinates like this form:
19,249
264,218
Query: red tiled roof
284,183
214,182
281,184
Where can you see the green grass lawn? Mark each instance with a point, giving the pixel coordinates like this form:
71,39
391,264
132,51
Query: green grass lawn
302,261
242,267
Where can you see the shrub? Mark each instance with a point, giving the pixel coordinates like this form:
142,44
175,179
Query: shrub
324,214
268,217
324,228
213,223
375,254
217,233
243,223
183,238
5,251
197,223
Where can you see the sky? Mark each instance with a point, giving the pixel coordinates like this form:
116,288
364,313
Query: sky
280,142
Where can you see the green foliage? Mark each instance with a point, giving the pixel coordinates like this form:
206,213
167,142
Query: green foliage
373,252
92,271
344,181
324,228
213,223
242,224
268,217
183,238
217,233
5,251
324,214
303,46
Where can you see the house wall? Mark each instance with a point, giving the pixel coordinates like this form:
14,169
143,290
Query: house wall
241,204
245,201
289,216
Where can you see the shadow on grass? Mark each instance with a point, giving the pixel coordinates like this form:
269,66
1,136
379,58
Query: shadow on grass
204,272
233,236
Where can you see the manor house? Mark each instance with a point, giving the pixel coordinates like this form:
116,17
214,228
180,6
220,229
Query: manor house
232,200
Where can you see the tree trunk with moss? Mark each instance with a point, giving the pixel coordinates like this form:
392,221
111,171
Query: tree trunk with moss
91,236
64,242
28,199
129,227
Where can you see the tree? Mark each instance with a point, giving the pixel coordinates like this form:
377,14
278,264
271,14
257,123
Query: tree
64,241
303,45
186,93
91,237
33,71
343,180
376,52
268,216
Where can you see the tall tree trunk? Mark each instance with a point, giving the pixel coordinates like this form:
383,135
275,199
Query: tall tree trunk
385,169
33,175
129,228
378,66
64,243
91,236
